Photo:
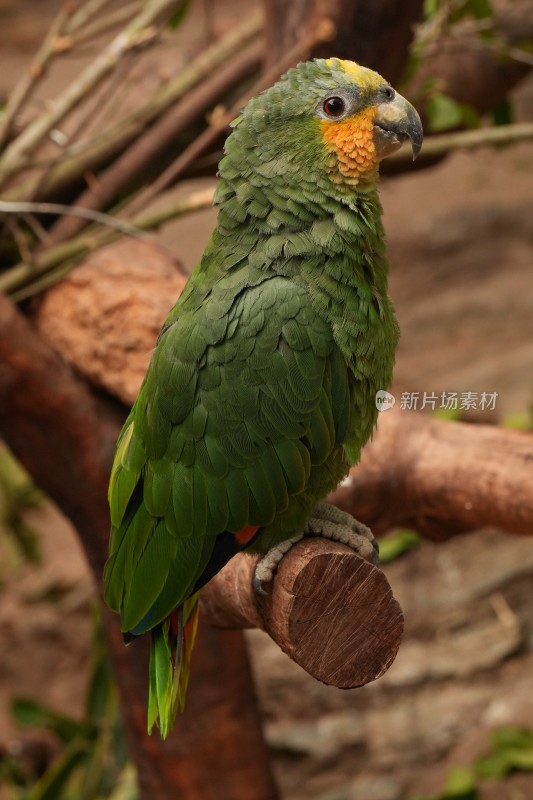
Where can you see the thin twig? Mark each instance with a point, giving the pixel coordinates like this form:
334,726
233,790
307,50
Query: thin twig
28,278
97,105
90,153
211,133
468,140
22,207
85,13
104,24
137,33
196,201
117,178
29,79
15,280
25,279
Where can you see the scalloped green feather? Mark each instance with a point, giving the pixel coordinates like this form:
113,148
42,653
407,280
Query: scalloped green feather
262,383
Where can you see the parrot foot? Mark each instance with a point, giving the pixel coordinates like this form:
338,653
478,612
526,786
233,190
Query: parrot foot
330,523
265,569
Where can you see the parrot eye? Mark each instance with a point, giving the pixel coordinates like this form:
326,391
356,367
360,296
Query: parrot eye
388,93
334,107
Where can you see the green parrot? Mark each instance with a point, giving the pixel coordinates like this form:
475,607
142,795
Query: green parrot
261,390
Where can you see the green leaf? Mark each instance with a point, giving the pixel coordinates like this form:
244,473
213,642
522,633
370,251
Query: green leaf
461,784
520,420
478,9
126,788
54,781
30,713
493,766
431,7
503,113
521,760
512,750
179,15
397,543
445,113
449,414
511,737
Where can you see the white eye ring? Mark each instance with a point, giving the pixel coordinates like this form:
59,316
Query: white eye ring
334,106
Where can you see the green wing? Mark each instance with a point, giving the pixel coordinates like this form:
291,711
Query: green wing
241,416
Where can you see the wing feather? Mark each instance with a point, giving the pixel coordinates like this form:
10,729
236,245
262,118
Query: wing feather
236,410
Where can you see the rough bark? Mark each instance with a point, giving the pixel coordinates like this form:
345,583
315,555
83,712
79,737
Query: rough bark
65,438
329,610
376,34
442,478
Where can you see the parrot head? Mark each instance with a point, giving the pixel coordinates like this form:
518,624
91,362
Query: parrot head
327,120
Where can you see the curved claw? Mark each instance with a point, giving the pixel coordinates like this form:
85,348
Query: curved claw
257,584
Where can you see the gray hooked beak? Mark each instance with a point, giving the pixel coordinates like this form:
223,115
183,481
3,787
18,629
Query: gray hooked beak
395,122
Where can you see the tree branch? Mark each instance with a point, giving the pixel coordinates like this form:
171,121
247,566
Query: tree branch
436,146
132,37
89,154
329,610
113,180
442,478
33,75
439,477
376,34
65,437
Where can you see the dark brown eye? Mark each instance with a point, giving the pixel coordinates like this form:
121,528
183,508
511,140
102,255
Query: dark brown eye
334,106
388,93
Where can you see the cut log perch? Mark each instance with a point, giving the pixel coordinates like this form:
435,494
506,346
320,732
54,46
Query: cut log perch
330,610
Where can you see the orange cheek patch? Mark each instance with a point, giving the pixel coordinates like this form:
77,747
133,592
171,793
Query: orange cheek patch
352,143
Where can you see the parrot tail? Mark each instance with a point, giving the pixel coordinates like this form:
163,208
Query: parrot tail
170,658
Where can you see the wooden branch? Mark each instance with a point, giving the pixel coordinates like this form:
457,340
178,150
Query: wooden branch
376,34
86,13
113,180
35,72
210,135
437,146
442,478
65,438
88,155
135,35
330,610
